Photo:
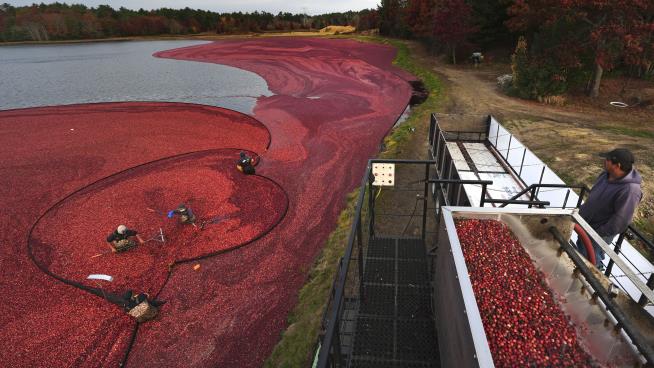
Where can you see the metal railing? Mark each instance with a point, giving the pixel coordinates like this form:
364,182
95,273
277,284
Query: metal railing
630,233
446,169
534,189
447,189
623,321
347,286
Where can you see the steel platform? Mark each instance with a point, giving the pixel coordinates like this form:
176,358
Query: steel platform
395,324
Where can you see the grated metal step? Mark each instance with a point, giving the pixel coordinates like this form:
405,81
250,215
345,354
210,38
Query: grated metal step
382,248
395,326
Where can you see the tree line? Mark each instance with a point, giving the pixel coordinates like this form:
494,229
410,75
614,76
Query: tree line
60,21
559,44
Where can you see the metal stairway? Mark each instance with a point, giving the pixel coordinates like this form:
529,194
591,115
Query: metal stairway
395,325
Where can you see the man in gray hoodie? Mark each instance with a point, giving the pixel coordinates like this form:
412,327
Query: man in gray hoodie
612,200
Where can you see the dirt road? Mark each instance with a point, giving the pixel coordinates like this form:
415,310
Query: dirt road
569,137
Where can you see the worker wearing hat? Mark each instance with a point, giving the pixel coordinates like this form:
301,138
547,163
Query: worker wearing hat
120,239
245,164
186,215
613,199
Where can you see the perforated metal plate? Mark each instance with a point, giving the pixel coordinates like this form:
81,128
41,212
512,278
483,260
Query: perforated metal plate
384,174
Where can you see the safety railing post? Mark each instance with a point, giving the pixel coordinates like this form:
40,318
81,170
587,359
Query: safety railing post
540,181
432,126
424,203
336,346
650,284
360,256
458,195
522,162
371,204
437,150
483,195
565,201
450,176
618,245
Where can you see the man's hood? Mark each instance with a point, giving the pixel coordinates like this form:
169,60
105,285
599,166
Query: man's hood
633,177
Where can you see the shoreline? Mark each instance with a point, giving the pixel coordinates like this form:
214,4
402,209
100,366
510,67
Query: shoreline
189,37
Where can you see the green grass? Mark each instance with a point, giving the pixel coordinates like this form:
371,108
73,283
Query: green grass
627,131
395,142
297,344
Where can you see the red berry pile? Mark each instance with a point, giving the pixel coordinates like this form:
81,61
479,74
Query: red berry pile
523,323
334,100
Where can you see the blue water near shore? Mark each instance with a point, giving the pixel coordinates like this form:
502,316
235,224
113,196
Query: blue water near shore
44,75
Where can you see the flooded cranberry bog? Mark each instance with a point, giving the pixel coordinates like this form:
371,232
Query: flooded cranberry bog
71,174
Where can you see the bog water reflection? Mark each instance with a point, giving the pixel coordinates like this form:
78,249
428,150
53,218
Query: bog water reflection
47,75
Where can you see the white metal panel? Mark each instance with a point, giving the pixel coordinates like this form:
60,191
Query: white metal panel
459,160
530,172
482,158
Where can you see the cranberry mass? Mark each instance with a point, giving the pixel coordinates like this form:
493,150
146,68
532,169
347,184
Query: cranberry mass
524,325
72,173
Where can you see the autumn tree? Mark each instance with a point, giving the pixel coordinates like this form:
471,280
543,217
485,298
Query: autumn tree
609,32
419,17
452,24
61,21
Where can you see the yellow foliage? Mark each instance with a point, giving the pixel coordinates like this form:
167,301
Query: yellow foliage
338,29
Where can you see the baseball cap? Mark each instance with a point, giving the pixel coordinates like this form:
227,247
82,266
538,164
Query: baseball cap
621,156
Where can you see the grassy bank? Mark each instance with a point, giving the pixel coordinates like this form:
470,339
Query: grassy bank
297,344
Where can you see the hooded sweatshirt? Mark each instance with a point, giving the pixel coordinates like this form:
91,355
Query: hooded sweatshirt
611,204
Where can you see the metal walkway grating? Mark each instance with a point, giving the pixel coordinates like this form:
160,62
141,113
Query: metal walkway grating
395,326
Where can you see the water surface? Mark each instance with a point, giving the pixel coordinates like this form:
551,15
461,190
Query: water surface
44,75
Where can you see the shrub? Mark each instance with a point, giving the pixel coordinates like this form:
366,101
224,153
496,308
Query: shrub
505,82
534,78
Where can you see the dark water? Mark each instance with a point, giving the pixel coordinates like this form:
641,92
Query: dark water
119,71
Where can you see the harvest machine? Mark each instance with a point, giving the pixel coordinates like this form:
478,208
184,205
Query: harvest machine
482,270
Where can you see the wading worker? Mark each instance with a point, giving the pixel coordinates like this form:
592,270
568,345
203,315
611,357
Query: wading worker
140,306
186,215
612,200
245,164
120,239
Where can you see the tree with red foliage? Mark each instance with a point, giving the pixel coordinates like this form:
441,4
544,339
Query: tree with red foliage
419,16
452,24
608,31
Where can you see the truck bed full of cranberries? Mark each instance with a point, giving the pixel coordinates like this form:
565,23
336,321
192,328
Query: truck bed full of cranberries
524,325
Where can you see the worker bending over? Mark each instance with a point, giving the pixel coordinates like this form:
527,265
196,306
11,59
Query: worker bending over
140,306
186,215
245,164
121,239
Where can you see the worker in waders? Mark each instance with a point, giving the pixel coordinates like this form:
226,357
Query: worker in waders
186,215
140,306
245,164
121,239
